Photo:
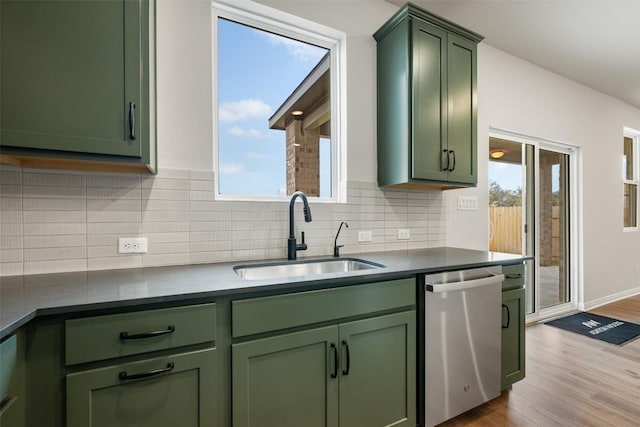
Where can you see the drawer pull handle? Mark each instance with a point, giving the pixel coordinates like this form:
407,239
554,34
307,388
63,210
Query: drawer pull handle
508,317
132,120
125,335
346,370
126,377
334,349
514,276
446,152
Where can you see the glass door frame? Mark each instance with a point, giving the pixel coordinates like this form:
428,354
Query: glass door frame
575,197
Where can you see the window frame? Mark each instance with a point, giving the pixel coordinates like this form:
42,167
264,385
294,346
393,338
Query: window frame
278,22
635,181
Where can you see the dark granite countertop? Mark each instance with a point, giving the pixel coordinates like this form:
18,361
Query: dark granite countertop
22,298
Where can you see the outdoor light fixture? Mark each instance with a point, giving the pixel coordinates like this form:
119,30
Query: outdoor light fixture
496,154
297,114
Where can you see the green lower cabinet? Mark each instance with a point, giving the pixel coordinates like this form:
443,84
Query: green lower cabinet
513,336
377,372
175,390
11,382
11,414
353,374
285,381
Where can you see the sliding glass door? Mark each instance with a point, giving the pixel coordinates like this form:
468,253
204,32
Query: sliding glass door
553,254
529,214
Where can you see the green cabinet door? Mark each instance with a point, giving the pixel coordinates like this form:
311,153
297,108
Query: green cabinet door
167,391
75,78
461,110
429,142
513,337
378,371
287,380
426,101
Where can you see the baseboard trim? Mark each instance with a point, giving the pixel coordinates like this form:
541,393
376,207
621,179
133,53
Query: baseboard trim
608,299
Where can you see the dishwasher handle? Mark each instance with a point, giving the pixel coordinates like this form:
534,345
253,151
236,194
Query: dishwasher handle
465,284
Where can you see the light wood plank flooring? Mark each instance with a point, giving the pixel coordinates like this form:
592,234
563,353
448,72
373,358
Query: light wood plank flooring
571,381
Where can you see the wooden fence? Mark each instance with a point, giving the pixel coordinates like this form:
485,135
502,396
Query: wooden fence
506,226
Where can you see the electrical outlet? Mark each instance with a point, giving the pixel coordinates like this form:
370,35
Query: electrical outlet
132,245
404,234
364,236
467,203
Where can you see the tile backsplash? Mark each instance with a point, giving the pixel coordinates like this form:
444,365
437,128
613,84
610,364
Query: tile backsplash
58,221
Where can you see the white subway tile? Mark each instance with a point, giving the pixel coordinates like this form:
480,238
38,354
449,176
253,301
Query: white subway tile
164,227
162,194
53,179
114,193
122,261
53,192
11,269
60,204
56,241
132,228
57,266
113,205
7,190
10,255
38,229
165,183
154,260
51,216
114,216
111,180
201,175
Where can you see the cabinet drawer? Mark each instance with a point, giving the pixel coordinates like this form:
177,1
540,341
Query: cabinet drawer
8,354
10,414
258,315
174,390
104,337
514,276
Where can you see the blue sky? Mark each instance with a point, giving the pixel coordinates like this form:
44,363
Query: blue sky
257,71
507,175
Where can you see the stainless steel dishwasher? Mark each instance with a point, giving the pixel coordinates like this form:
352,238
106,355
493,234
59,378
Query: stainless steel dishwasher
462,341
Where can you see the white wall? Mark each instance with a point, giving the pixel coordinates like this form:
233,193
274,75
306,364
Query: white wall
518,96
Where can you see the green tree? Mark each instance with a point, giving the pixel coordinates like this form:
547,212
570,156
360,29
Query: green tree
499,196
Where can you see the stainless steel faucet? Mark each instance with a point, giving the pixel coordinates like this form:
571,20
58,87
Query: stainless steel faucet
292,245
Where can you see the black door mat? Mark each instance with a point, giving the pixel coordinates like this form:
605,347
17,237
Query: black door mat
604,328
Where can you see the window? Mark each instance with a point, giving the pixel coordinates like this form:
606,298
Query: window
630,178
277,105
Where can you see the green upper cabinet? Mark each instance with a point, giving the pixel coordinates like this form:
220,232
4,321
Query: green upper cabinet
77,83
427,106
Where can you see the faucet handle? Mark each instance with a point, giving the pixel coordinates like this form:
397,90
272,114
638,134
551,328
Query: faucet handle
302,246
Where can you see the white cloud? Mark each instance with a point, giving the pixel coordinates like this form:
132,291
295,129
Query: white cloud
254,155
243,110
499,166
231,168
299,50
252,133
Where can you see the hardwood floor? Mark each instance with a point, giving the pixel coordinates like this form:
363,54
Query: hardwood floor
571,381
